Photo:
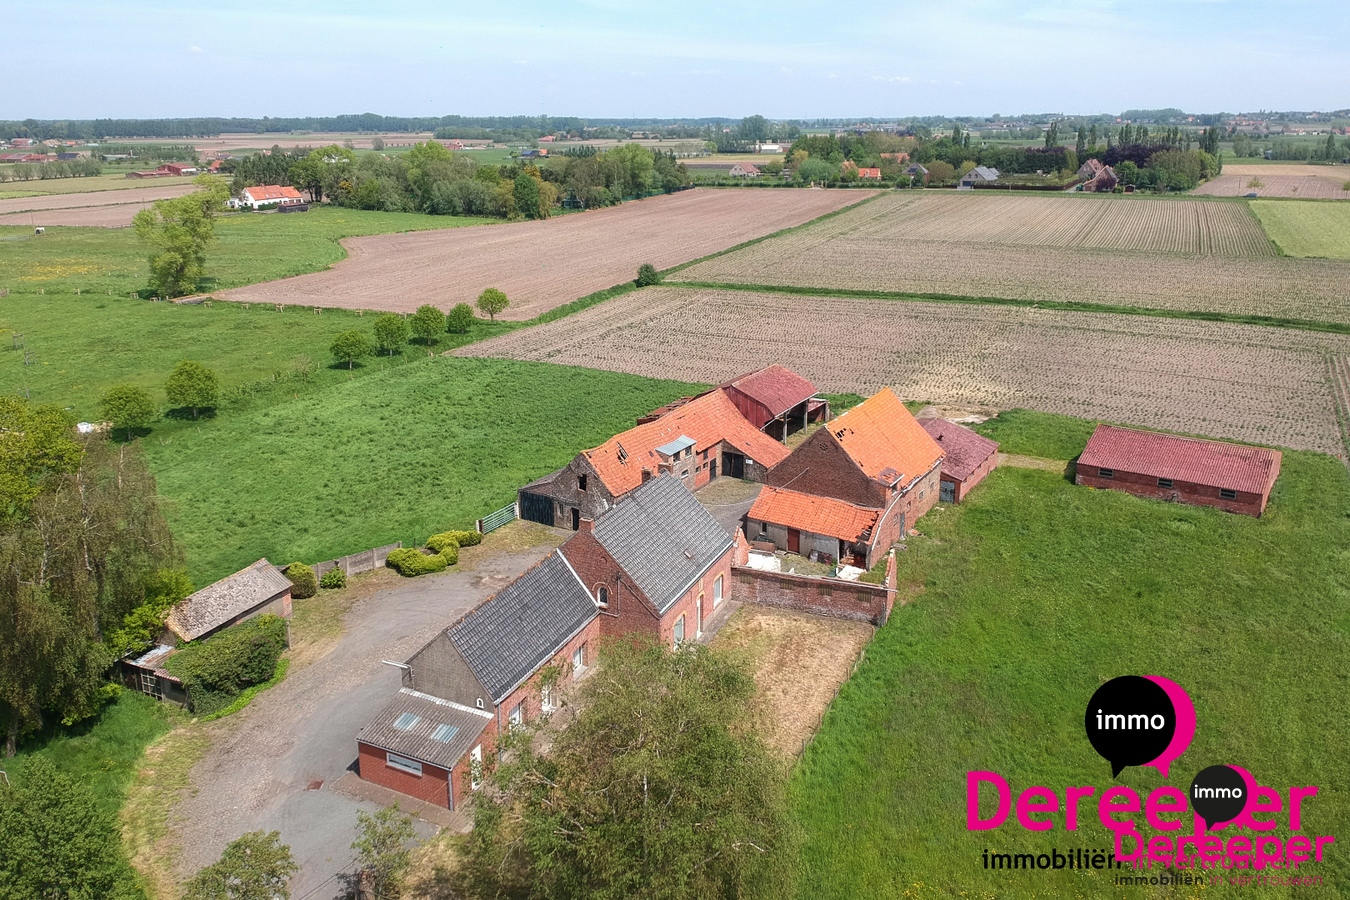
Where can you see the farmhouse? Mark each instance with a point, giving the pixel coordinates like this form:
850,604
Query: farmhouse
1097,177
744,170
969,457
917,172
1231,477
693,442
874,174
478,677
167,170
270,195
977,175
658,563
875,456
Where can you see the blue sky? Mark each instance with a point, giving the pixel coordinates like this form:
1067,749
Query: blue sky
604,58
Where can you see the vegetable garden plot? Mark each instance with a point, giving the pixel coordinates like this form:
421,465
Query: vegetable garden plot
1244,382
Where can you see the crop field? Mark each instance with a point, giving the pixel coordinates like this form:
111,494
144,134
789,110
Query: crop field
542,265
1030,220
1252,383
111,215
1035,592
842,253
142,193
1279,167
114,181
1307,229
1300,187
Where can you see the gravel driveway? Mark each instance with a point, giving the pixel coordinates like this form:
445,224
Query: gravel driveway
262,761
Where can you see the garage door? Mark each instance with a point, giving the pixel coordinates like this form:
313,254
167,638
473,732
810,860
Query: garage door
536,508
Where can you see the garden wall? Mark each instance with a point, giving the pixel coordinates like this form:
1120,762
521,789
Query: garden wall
357,562
818,596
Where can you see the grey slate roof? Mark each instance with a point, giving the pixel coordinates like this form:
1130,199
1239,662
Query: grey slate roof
523,625
419,741
663,538
232,596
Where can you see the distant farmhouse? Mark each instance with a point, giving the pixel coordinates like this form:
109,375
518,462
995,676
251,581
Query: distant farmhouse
744,170
1097,177
271,195
977,176
168,170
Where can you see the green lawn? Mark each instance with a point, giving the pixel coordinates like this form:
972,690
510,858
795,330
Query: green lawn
1319,228
249,247
102,752
1035,593
394,455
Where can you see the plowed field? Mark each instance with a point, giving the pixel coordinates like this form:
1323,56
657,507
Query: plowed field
114,216
541,265
1253,383
1302,187
135,195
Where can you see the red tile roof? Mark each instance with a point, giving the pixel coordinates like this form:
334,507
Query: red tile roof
776,387
869,173
885,440
964,448
707,419
273,192
1231,467
818,515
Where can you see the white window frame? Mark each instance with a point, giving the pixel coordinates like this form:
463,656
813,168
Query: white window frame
678,630
516,717
546,698
476,768
578,660
602,596
403,764
717,591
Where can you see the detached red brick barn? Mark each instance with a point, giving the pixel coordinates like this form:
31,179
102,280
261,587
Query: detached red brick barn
1231,477
970,457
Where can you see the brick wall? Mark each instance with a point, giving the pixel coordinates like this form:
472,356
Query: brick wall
963,488
820,466
528,693
461,776
628,609
431,786
818,596
687,605
1247,504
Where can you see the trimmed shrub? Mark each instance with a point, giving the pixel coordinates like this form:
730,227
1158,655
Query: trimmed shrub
450,554
438,542
648,275
304,583
333,579
218,669
410,563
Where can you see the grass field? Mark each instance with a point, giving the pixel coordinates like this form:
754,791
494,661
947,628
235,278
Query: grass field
1307,229
397,455
1034,593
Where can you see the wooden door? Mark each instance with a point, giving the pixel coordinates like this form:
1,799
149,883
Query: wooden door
794,541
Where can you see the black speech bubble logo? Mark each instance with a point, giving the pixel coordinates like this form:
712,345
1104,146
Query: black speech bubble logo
1130,721
1218,794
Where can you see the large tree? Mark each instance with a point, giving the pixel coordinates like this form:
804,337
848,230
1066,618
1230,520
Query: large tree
179,230
127,407
76,557
322,170
427,323
658,789
193,386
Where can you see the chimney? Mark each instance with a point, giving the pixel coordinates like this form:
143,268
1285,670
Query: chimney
586,525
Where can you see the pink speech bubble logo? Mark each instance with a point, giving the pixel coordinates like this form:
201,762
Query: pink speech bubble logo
1185,731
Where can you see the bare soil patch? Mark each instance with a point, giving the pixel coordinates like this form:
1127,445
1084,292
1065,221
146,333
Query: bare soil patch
799,661
146,194
541,265
1247,382
1302,187
1337,173
118,216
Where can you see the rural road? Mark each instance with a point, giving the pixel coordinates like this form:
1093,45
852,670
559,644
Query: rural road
258,770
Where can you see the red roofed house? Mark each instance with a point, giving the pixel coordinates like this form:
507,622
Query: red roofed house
690,442
744,170
774,399
1097,177
969,458
870,173
270,195
1231,477
875,456
835,528
167,170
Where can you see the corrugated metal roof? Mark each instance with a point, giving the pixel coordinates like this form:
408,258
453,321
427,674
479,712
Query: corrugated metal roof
232,596
964,448
1217,464
431,718
674,447
520,627
817,515
663,538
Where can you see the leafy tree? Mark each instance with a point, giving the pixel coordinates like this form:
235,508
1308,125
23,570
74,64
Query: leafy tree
459,319
377,144
255,866
322,170
57,842
940,172
1052,135
391,332
1080,146
753,128
145,622
349,346
216,670
383,850
647,275
526,192
178,231
36,443
193,385
127,406
492,301
814,169
427,323
658,788
304,583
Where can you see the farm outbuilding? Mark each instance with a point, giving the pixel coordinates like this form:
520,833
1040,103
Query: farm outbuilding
777,400
969,458
821,528
260,588
1232,477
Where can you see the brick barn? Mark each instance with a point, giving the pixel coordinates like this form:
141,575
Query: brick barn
875,456
969,457
658,563
821,526
1231,477
777,400
694,441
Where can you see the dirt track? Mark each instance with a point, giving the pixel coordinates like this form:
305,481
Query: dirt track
542,265
136,196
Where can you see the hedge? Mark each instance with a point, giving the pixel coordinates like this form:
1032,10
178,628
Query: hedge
439,542
411,563
333,578
216,671
304,584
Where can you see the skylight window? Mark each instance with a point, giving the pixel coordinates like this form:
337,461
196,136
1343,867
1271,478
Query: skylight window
444,733
406,721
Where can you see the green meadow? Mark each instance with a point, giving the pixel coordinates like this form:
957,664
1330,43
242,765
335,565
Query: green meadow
1318,228
1025,599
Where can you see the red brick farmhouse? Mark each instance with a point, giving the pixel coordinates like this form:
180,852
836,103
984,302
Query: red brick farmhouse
1231,477
969,457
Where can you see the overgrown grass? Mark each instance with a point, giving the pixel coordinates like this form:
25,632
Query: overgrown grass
1030,433
396,455
102,752
1317,228
1038,591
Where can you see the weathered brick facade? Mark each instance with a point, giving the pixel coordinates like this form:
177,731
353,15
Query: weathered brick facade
961,489
819,596
1243,503
820,466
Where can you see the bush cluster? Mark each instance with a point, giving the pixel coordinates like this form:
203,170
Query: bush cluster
647,275
333,579
438,542
218,669
304,583
411,563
